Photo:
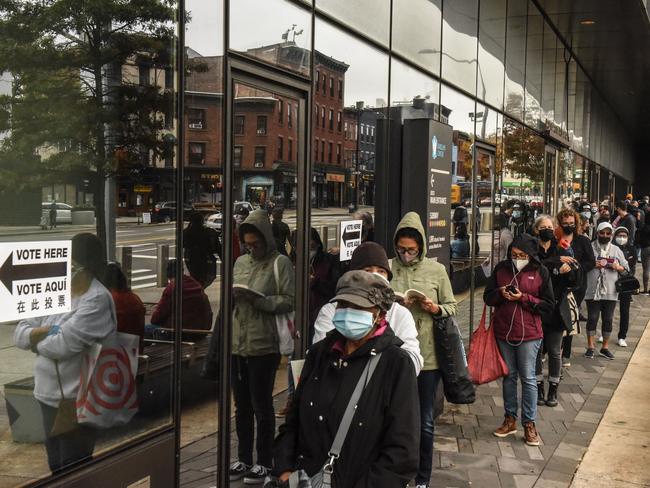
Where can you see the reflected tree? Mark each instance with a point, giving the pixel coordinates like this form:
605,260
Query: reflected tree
80,105
523,152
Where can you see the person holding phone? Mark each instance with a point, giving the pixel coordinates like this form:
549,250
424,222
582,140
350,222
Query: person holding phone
601,296
520,291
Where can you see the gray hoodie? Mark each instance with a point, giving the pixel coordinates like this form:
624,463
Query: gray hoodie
609,276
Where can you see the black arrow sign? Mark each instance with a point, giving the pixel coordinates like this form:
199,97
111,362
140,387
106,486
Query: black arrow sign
10,272
352,234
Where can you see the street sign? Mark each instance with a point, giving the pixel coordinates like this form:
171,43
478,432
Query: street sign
350,238
35,279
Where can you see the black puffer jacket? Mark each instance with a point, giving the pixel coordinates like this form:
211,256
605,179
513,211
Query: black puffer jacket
382,446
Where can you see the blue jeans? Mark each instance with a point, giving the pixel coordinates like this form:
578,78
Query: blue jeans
521,363
427,385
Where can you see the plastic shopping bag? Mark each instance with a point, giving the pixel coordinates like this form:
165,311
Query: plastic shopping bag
452,362
484,360
107,391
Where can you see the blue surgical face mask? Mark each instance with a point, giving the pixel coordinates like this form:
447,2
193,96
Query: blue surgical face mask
353,324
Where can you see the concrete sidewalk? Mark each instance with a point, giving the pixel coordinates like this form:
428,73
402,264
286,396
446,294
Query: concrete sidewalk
468,455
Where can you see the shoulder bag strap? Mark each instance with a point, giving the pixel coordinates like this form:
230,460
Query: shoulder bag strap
344,427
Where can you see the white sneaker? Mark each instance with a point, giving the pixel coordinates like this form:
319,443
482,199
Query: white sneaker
621,343
421,486
600,339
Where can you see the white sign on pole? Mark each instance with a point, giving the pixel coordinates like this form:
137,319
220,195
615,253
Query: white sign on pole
350,238
146,217
35,279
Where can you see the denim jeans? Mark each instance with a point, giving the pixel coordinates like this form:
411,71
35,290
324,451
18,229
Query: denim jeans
427,385
521,361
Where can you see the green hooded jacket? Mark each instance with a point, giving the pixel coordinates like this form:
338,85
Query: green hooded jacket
430,277
254,332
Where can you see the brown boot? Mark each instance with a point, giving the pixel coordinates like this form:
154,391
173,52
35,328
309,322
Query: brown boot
530,434
508,427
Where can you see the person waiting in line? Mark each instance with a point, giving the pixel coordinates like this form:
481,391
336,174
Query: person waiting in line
280,229
643,242
521,292
197,313
585,220
380,449
323,276
460,216
622,240
255,344
460,245
601,296
60,343
564,277
578,248
413,270
625,219
200,244
371,257
128,306
502,237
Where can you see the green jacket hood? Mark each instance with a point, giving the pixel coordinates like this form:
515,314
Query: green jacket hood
259,221
412,220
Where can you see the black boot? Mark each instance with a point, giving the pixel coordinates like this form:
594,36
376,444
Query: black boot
551,399
540,393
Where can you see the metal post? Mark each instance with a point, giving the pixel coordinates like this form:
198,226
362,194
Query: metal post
161,265
125,258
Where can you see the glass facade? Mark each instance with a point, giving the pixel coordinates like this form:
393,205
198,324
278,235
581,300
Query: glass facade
120,133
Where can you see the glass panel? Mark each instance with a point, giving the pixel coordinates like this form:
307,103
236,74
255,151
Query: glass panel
203,241
278,33
534,52
548,74
561,90
85,174
408,85
416,31
265,217
371,17
523,176
491,52
459,37
515,58
460,112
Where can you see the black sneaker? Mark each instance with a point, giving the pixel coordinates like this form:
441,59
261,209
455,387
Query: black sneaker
607,354
238,470
256,475
590,353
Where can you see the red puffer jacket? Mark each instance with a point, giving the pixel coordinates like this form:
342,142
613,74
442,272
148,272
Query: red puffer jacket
520,320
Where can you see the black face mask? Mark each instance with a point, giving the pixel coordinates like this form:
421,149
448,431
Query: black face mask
546,234
603,240
568,229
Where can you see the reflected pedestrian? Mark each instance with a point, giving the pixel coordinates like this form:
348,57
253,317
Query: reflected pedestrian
280,229
53,214
128,306
200,247
60,342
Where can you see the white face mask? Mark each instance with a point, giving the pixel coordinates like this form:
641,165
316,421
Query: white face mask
520,263
381,276
312,254
621,241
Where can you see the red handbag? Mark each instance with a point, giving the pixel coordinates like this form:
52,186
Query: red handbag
484,360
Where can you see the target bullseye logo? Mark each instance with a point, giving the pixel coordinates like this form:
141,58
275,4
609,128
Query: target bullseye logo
111,386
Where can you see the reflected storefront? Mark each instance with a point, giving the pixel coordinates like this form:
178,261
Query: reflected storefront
155,135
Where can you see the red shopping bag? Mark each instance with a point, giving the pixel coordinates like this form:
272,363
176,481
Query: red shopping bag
484,360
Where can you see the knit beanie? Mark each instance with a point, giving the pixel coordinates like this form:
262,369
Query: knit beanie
370,254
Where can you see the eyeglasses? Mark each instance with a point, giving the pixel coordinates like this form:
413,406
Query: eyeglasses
410,251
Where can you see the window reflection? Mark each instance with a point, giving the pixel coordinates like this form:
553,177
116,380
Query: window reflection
416,31
281,36
534,51
459,37
491,54
371,17
548,74
88,156
515,58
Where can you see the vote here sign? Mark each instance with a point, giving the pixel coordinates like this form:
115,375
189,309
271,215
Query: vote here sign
35,279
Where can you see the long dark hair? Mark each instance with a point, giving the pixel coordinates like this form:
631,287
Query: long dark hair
114,278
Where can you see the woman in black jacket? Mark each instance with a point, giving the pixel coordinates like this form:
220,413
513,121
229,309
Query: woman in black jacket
381,448
622,240
564,277
578,247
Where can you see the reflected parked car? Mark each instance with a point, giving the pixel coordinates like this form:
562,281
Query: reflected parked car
166,212
214,221
63,212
